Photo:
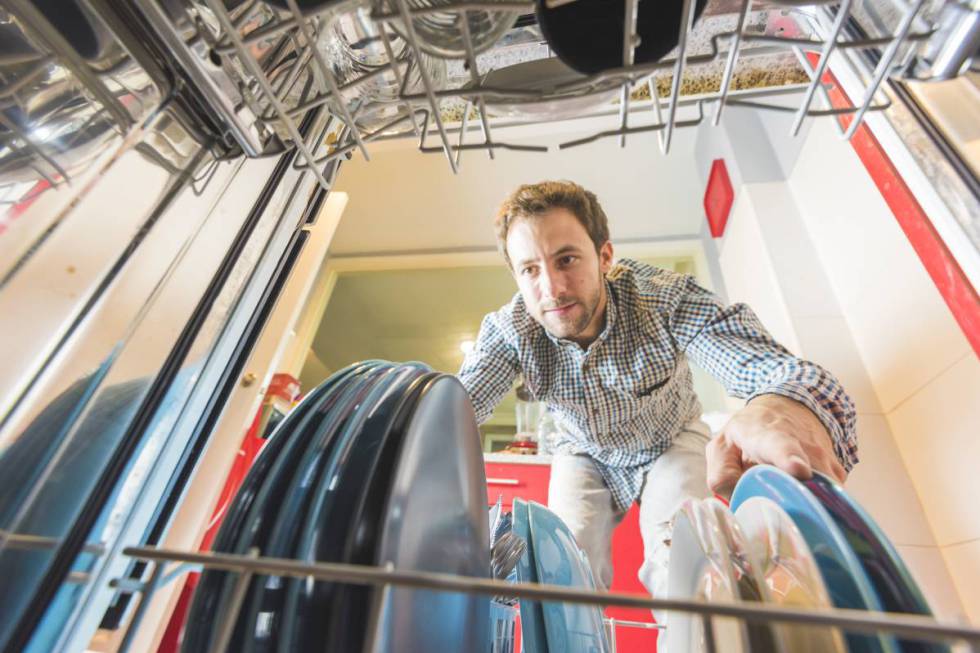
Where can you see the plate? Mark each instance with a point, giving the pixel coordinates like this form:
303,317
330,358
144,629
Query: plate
840,569
788,571
203,610
588,34
748,582
262,613
351,605
568,97
889,576
533,636
699,570
339,484
435,520
570,627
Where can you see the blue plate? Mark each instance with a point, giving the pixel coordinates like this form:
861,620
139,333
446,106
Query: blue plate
570,627
338,486
262,612
842,573
350,610
533,637
889,576
203,611
436,520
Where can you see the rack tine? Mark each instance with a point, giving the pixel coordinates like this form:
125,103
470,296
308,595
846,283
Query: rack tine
226,627
462,131
630,42
402,81
475,78
412,40
687,20
657,112
808,68
884,64
142,603
831,41
709,634
736,41
328,77
218,7
624,108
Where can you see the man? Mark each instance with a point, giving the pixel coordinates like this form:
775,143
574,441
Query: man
606,346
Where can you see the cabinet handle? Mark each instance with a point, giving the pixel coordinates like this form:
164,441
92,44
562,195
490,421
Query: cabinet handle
503,481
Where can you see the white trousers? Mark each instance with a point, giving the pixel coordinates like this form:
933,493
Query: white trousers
578,494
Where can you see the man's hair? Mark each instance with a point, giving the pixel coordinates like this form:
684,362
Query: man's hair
534,200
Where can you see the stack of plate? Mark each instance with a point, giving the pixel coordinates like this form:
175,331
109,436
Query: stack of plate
380,465
552,557
797,544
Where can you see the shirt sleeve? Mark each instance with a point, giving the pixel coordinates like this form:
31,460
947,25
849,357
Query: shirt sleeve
730,343
489,370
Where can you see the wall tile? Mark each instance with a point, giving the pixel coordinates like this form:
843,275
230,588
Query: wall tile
827,341
938,434
749,274
963,562
900,323
882,485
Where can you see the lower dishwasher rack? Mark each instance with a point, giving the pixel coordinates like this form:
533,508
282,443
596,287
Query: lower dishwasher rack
167,565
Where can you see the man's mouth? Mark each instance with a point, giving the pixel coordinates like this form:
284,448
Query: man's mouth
560,311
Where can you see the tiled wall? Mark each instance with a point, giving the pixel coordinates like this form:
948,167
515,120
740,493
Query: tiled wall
922,371
850,294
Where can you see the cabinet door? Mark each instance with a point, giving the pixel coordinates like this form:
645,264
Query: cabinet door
509,480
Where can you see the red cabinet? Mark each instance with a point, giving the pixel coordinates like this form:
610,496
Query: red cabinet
530,482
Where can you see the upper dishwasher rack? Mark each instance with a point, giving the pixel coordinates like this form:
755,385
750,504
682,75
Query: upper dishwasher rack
259,66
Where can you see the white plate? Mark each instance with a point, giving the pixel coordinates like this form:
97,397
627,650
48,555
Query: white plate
700,570
788,570
763,638
549,76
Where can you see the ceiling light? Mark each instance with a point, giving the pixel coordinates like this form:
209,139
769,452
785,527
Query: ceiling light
466,346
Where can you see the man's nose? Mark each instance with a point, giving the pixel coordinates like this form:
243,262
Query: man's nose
552,283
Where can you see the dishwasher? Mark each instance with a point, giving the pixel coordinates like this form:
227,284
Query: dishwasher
166,165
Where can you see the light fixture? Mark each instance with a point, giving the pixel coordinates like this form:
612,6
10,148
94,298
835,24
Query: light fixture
466,346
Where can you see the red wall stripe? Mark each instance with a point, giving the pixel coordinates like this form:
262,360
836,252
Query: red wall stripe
946,273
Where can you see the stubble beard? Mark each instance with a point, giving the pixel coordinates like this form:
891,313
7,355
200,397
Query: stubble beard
566,329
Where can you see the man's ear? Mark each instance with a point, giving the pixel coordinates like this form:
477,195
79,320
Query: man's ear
605,257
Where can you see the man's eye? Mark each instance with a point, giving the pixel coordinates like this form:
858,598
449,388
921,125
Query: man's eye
527,271
567,260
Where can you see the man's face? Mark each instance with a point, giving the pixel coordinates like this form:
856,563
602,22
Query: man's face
560,274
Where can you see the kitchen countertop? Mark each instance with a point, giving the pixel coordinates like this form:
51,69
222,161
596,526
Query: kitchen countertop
522,459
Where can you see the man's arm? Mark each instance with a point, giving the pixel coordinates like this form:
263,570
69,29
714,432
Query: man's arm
733,346
489,370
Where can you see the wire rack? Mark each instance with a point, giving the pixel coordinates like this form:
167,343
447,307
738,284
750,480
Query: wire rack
420,110
167,565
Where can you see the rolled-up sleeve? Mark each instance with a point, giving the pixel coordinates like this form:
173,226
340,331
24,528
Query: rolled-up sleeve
730,343
489,370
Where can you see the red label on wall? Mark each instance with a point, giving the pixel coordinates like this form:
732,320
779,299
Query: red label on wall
718,198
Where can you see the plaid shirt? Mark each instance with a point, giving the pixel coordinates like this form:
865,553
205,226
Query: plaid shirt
622,400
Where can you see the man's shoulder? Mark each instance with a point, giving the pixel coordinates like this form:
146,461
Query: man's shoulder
646,285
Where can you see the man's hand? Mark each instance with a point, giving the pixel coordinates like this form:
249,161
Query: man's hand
774,430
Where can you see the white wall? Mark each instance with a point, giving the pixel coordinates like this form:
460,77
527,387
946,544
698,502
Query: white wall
404,201
923,373
816,252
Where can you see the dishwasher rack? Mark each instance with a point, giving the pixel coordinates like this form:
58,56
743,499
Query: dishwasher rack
420,114
167,565
247,76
